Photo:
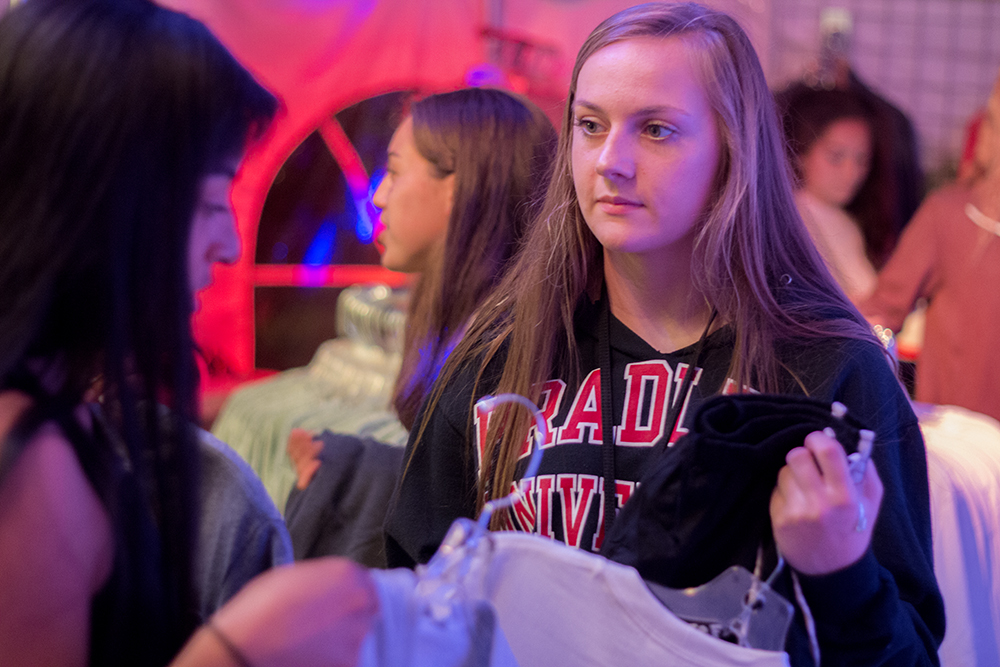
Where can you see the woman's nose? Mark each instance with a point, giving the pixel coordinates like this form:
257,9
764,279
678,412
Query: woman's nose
616,160
381,193
228,244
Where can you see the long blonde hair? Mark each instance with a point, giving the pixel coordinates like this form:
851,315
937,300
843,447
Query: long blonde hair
753,259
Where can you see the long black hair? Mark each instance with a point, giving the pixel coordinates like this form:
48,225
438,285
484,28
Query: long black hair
111,114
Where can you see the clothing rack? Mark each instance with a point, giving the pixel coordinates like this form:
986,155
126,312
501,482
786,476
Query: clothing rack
346,388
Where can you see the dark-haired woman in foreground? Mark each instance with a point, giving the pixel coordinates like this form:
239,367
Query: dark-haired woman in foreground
121,126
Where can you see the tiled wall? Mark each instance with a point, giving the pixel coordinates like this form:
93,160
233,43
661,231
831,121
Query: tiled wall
935,59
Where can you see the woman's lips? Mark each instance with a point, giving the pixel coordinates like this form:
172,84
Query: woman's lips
617,205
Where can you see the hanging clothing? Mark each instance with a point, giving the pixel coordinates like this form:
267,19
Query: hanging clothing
346,388
564,501
963,460
257,418
342,510
519,599
403,635
705,506
563,606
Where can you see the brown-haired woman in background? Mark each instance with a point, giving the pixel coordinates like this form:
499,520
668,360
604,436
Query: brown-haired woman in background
464,173
483,156
843,197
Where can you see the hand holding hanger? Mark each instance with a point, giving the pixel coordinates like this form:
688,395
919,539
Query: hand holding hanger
822,520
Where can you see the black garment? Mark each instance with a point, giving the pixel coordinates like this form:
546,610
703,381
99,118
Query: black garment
342,510
564,500
440,480
705,506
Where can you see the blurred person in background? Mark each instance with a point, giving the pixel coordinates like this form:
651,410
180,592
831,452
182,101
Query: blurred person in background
829,135
464,171
949,254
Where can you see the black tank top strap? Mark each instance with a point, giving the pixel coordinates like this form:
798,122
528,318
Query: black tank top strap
47,407
20,435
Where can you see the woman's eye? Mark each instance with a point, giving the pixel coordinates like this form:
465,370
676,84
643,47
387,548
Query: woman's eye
658,131
209,209
588,126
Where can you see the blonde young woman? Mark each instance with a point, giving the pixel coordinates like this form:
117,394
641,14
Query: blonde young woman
669,244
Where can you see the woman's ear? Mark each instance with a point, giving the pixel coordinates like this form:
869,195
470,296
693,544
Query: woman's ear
450,192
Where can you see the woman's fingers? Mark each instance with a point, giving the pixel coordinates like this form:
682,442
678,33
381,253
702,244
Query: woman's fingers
803,467
313,612
823,521
304,452
830,459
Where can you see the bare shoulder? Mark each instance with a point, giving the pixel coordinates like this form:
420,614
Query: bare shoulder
55,548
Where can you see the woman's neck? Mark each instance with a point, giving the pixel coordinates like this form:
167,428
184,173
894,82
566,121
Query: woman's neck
656,299
985,194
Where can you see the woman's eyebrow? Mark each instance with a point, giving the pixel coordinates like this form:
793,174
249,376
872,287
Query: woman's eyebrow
651,110
588,105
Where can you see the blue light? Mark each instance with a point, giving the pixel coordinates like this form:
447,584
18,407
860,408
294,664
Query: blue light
364,228
323,245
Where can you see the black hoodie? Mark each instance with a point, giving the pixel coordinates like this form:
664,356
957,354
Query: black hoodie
887,604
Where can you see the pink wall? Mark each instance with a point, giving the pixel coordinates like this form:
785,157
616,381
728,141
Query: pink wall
318,56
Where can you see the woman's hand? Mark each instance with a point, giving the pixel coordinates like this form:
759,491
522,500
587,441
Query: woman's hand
822,520
304,450
314,612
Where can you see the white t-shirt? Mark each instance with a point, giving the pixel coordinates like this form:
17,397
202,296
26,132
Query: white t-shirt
563,606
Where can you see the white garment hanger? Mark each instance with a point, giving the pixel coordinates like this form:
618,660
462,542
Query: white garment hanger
451,575
736,605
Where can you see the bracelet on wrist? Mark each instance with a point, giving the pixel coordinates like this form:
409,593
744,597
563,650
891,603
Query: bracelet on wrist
234,653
